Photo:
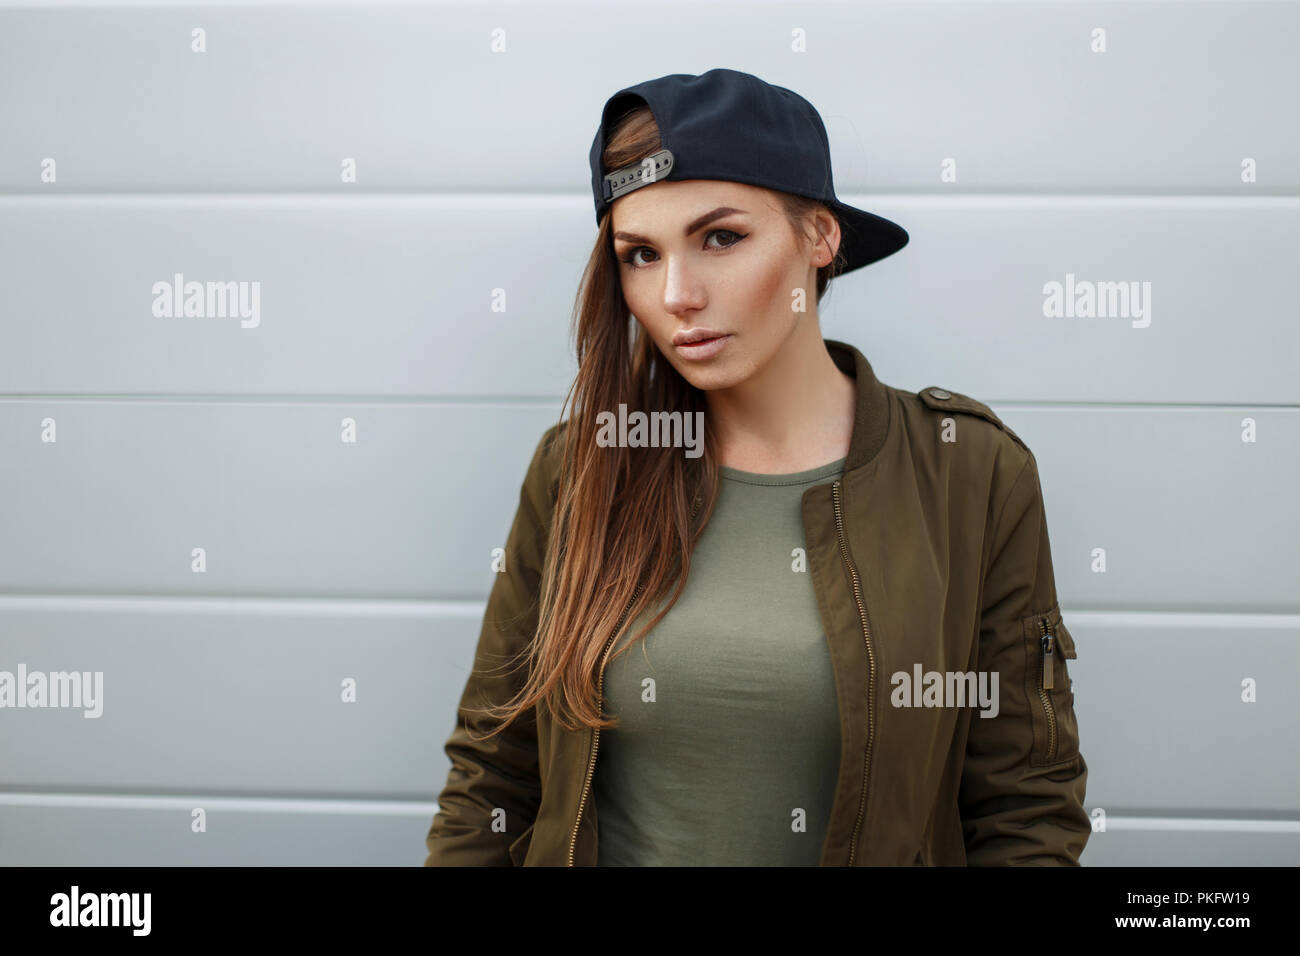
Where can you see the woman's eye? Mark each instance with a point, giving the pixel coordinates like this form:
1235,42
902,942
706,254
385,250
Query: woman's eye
631,257
727,232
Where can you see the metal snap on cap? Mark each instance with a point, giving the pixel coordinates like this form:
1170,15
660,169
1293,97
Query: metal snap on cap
651,169
940,393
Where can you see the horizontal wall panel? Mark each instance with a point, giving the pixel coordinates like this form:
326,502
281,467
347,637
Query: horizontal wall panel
1188,515
1141,843
33,833
1192,301
239,833
243,701
472,296
508,96
1162,723
237,700
377,296
277,501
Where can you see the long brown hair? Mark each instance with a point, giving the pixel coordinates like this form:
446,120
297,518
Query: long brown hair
624,526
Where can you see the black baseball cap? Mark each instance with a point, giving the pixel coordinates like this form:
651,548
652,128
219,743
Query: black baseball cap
725,124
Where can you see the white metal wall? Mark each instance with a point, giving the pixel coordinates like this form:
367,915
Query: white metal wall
1012,146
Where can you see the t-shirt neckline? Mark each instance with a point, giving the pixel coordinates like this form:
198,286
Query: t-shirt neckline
790,478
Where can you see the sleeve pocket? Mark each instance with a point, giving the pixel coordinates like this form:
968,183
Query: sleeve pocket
1048,645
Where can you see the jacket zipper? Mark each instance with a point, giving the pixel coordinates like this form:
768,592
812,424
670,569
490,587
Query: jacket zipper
871,672
600,685
1046,683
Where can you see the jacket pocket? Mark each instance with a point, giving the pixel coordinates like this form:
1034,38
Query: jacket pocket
519,849
1048,645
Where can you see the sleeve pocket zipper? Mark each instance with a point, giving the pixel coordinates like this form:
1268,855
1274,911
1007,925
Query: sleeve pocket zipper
1054,644
1047,667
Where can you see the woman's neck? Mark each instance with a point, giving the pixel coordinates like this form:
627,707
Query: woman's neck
794,414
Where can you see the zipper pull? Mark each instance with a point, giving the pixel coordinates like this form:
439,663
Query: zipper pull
1048,642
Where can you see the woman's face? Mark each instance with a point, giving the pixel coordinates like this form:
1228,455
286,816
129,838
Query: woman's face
719,256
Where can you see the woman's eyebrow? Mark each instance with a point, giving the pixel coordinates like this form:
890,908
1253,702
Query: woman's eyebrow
694,226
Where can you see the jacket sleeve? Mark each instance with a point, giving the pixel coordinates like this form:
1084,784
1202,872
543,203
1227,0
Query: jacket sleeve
1023,781
500,774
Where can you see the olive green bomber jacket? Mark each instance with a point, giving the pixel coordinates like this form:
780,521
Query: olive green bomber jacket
929,554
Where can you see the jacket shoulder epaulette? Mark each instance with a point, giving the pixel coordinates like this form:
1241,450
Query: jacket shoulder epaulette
942,399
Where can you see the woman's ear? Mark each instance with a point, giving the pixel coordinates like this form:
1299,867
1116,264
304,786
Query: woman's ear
827,228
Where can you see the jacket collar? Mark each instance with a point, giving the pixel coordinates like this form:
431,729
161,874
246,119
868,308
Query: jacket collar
871,414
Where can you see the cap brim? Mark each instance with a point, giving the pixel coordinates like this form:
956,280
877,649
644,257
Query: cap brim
866,237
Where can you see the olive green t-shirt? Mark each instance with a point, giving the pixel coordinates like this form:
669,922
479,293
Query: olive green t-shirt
728,748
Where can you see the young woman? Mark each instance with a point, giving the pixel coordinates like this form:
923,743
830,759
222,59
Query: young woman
816,621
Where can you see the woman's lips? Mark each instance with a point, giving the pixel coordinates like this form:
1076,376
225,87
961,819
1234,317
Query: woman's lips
704,349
